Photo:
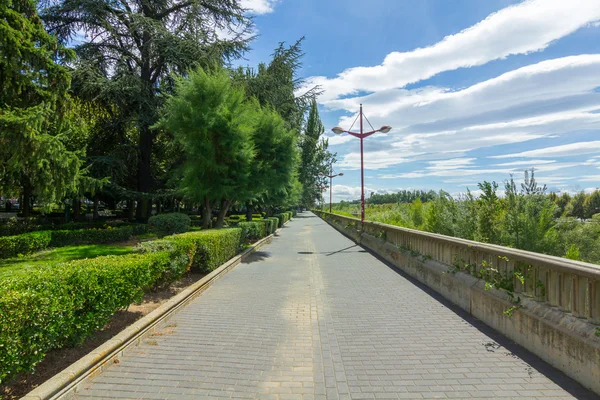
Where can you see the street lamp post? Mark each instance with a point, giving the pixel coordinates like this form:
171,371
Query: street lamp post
321,190
331,176
361,135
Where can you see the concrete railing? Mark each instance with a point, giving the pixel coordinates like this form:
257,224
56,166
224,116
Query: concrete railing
556,301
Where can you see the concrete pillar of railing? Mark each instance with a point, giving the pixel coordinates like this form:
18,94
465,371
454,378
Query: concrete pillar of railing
594,290
580,292
566,292
541,284
553,288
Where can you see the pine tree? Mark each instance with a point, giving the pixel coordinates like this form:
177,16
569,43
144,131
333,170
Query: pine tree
35,117
136,47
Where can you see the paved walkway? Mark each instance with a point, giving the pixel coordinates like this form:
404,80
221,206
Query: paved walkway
313,316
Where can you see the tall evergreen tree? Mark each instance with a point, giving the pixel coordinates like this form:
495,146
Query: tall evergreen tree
134,46
35,117
214,123
315,158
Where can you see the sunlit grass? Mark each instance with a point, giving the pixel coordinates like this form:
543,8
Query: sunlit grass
58,255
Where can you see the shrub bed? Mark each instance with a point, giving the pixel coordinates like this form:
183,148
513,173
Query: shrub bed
252,231
206,250
270,225
169,224
284,217
27,243
60,306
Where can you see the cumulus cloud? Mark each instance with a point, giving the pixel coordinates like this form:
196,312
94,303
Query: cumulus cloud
572,149
520,29
546,99
259,6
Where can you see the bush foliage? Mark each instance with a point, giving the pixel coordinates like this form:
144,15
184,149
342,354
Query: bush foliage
169,224
27,243
60,306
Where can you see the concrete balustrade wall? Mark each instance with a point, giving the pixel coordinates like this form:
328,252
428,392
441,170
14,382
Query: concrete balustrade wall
554,302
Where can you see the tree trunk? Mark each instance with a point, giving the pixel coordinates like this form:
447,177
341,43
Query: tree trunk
76,209
96,214
222,213
26,204
206,214
130,210
145,120
249,210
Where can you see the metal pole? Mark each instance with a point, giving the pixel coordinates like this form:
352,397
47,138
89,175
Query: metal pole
330,185
362,171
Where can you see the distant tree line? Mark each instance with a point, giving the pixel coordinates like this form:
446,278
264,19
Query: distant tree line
524,217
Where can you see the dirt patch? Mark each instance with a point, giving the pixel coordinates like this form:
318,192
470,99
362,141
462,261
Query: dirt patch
57,360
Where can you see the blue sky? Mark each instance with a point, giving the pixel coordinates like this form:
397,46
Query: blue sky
475,90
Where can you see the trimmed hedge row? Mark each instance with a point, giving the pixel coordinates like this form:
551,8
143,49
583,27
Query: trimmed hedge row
168,224
27,243
11,246
49,308
284,217
252,231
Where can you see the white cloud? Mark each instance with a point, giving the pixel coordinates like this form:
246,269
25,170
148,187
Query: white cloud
572,149
547,99
259,6
343,192
338,139
520,29
374,160
525,163
590,178
449,164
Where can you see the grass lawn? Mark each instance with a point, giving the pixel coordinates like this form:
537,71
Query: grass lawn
61,254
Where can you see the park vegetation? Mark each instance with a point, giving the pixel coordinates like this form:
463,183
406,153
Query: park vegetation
133,106
524,216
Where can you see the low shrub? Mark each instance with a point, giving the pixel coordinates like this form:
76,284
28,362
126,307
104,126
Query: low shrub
49,308
169,224
270,225
208,249
275,222
284,217
26,243
252,231
60,306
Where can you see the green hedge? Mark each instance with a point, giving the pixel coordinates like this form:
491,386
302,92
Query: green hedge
252,231
60,306
270,225
284,217
169,224
27,243
206,249
49,308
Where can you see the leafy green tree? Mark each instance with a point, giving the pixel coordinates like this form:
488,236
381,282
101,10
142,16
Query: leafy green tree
133,48
576,208
315,158
272,178
591,205
440,214
214,123
416,213
36,121
489,212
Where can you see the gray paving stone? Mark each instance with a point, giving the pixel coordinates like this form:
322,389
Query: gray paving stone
313,316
